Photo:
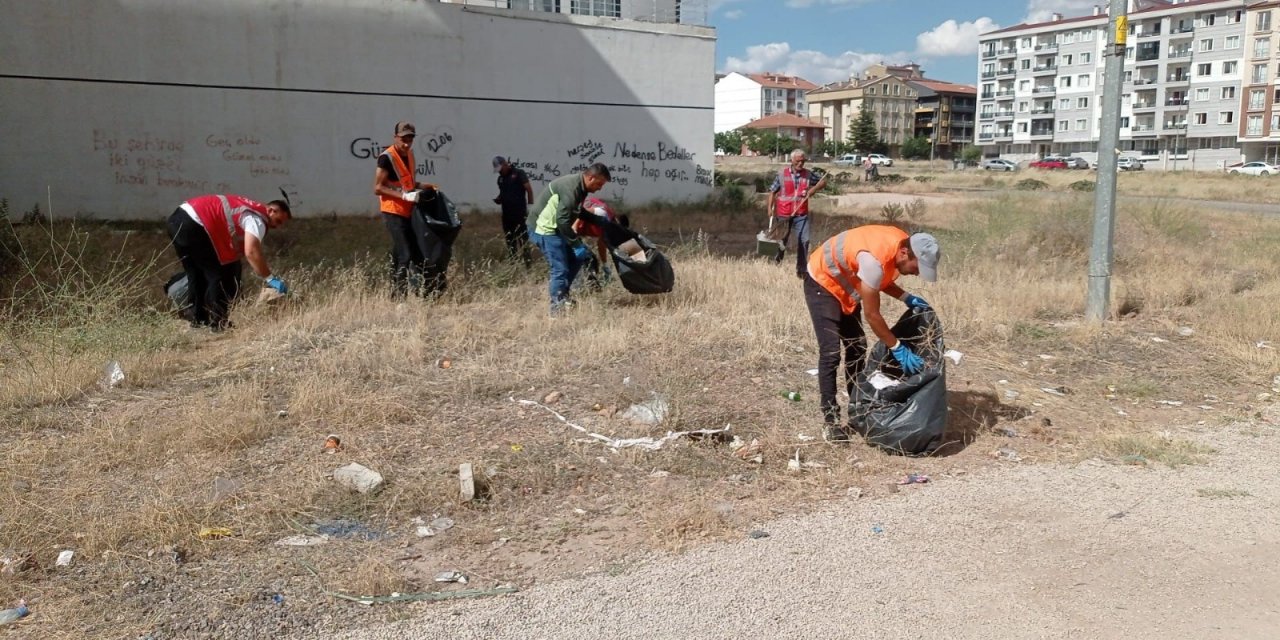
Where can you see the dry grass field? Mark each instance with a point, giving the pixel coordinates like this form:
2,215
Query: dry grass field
227,431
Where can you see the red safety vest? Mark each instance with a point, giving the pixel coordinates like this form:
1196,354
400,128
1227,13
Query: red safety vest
584,228
791,200
835,264
392,204
221,216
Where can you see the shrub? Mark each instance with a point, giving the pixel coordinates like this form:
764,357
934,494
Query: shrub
892,178
892,212
923,178
1030,184
1082,185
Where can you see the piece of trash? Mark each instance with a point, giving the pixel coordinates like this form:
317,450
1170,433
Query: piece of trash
466,482
64,558
914,478
332,443
358,477
13,615
1186,332
553,397
1158,339
626,381
215,533
347,529
517,447
444,363
736,443
813,464
1002,382
301,541
16,562
758,534
451,576
651,413
812,372
1010,394
750,452
1005,453
853,492
804,437
1055,391
282,414
793,464
112,375
423,531
1006,432
1121,412
1117,515
793,396
442,524
875,528
881,382
277,598
650,444
1263,344
1171,403
954,356
1045,356
660,474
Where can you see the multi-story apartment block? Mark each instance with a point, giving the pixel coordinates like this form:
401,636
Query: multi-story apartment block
893,94
1185,62
1260,124
681,11
945,114
741,98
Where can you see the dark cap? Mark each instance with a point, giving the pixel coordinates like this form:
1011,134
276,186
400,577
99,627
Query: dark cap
498,161
403,127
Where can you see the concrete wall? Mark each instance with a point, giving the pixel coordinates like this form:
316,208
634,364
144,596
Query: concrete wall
143,103
737,102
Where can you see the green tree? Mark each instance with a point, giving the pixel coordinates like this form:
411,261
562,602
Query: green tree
829,148
971,154
730,142
767,142
865,135
917,147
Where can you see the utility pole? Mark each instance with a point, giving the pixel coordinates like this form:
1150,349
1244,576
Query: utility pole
1104,202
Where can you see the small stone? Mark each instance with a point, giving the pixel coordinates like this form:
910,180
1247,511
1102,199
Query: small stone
1005,453
1186,332
553,397
358,477
1010,394
758,534
854,492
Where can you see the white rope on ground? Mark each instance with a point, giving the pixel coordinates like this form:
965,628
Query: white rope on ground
646,443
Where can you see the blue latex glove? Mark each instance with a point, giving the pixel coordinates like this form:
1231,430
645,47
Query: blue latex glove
581,253
915,302
911,363
278,285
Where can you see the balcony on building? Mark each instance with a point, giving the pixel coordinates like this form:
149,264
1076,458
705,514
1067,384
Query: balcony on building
1144,105
988,96
1004,134
1181,30
1143,129
988,54
1042,132
1045,69
1006,94
1149,32
1177,101
987,75
1180,52
1007,52
1044,109
1006,71
986,137
1046,46
1006,114
1175,125
1147,53
1050,89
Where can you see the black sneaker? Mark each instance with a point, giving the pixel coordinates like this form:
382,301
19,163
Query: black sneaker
835,433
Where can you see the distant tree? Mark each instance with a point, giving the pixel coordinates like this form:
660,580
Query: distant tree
730,142
916,148
829,148
767,142
865,135
971,154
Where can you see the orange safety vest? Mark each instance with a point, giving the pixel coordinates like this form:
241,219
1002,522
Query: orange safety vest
391,204
835,264
791,201
221,217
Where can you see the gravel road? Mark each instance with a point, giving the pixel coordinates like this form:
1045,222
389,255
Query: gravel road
1092,550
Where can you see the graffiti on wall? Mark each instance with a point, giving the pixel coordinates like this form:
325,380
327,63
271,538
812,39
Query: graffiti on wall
629,163
142,159
430,150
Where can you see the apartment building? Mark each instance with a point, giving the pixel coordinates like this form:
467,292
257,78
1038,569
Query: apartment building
1041,85
890,92
1260,124
741,98
671,11
945,113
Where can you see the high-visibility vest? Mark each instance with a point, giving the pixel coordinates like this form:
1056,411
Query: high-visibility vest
835,264
221,216
791,200
391,204
591,230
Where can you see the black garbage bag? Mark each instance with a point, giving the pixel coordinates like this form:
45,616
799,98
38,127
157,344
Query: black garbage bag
652,274
435,227
909,418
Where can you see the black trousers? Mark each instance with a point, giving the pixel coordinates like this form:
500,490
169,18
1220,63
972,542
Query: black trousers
406,255
839,334
516,232
212,285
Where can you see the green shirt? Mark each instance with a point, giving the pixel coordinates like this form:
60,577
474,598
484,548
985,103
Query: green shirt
557,207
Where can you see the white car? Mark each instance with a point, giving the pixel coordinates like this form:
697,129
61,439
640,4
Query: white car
1129,163
999,164
849,160
881,159
1256,169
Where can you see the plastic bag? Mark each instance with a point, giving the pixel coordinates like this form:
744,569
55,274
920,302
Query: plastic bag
909,417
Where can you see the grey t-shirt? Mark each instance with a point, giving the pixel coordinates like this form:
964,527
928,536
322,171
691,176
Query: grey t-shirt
869,270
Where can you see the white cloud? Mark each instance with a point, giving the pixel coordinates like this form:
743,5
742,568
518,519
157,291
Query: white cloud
953,38
733,14
814,66
1042,10
800,4
715,5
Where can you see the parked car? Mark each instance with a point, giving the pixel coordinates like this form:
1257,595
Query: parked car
1256,169
881,159
1076,162
1129,163
999,164
1049,162
849,160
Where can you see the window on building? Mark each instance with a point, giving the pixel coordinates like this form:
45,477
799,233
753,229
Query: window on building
1231,42
1024,85
1264,21
1084,81
897,89
884,88
1206,44
986,88
1257,99
989,69
1206,20
1082,125
1082,103
1026,43
603,8
1065,82
1086,36
1201,118
1128,53
1067,59
1275,121
1228,93
1128,76
1230,67
1226,117
1202,94
1204,69
1069,37
1064,103
1026,63
1022,127
1064,125
1086,58
1261,47
1124,122
1022,107
986,130
1259,74
1253,126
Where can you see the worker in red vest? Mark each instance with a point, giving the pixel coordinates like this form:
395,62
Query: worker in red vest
789,200
210,233
850,271
395,184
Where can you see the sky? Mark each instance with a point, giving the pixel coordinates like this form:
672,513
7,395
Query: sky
828,40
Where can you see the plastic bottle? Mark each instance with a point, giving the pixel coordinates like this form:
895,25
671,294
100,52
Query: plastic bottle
13,615
791,395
